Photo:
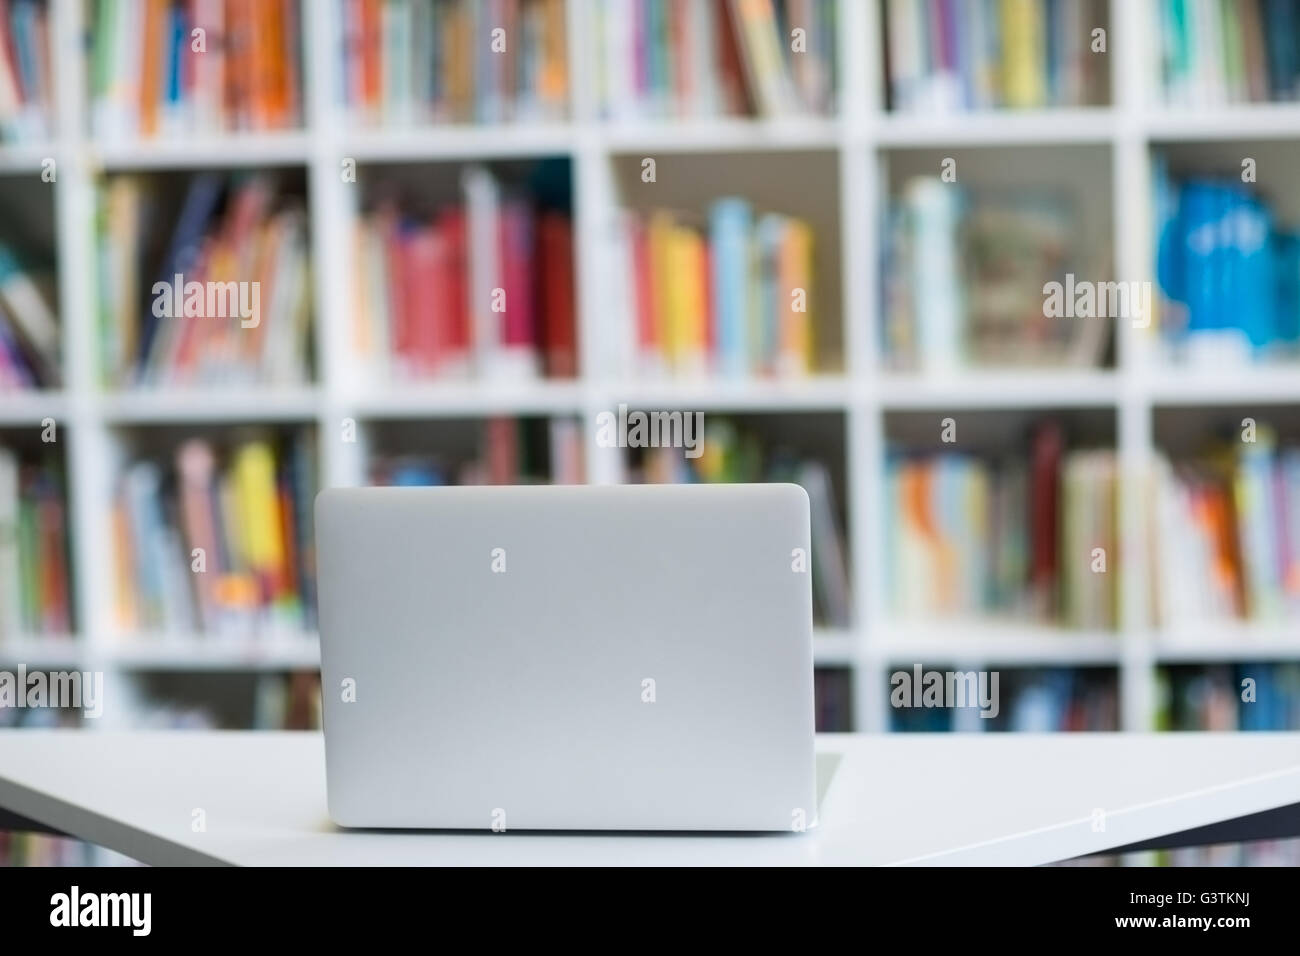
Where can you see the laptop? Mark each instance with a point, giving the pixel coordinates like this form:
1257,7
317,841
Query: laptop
570,657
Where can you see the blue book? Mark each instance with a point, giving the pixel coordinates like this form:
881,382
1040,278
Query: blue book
24,41
196,212
730,226
766,337
179,41
1053,26
1281,29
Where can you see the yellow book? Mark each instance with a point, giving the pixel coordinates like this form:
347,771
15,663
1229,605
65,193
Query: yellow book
687,312
796,355
124,308
1024,68
659,237
258,509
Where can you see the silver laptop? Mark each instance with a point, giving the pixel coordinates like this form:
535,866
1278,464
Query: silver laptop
626,657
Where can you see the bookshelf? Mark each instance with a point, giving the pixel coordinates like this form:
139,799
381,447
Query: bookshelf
855,152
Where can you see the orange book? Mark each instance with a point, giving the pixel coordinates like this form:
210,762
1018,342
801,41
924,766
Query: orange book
153,53
795,355
124,562
238,63
554,82
371,55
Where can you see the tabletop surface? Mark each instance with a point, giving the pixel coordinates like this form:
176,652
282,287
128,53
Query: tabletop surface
1000,799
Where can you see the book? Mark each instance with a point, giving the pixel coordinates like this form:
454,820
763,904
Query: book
666,58
420,62
173,68
1213,697
26,87
1001,537
1215,52
732,294
229,299
992,54
966,274
35,575
29,332
499,450
1226,534
482,287
215,540
1030,700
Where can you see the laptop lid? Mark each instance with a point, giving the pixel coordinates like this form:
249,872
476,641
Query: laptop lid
574,657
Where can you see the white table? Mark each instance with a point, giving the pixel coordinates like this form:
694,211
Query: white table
898,799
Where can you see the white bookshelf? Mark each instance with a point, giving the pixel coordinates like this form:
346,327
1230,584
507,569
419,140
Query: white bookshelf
860,140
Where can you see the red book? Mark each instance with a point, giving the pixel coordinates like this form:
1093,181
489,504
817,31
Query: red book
54,592
452,226
423,299
502,458
555,268
1044,503
645,302
517,270
730,70
400,334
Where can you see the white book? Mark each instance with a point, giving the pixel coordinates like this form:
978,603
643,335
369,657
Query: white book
934,210
396,29
209,68
483,228
32,316
621,101
375,287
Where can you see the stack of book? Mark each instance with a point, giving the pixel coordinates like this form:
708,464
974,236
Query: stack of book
1256,696
438,61
731,453
1226,535
1280,853
732,295
29,334
664,58
26,90
42,849
229,303
35,589
965,276
1229,51
185,67
1228,271
1032,540
219,543
1029,700
483,287
945,55
510,452
287,701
